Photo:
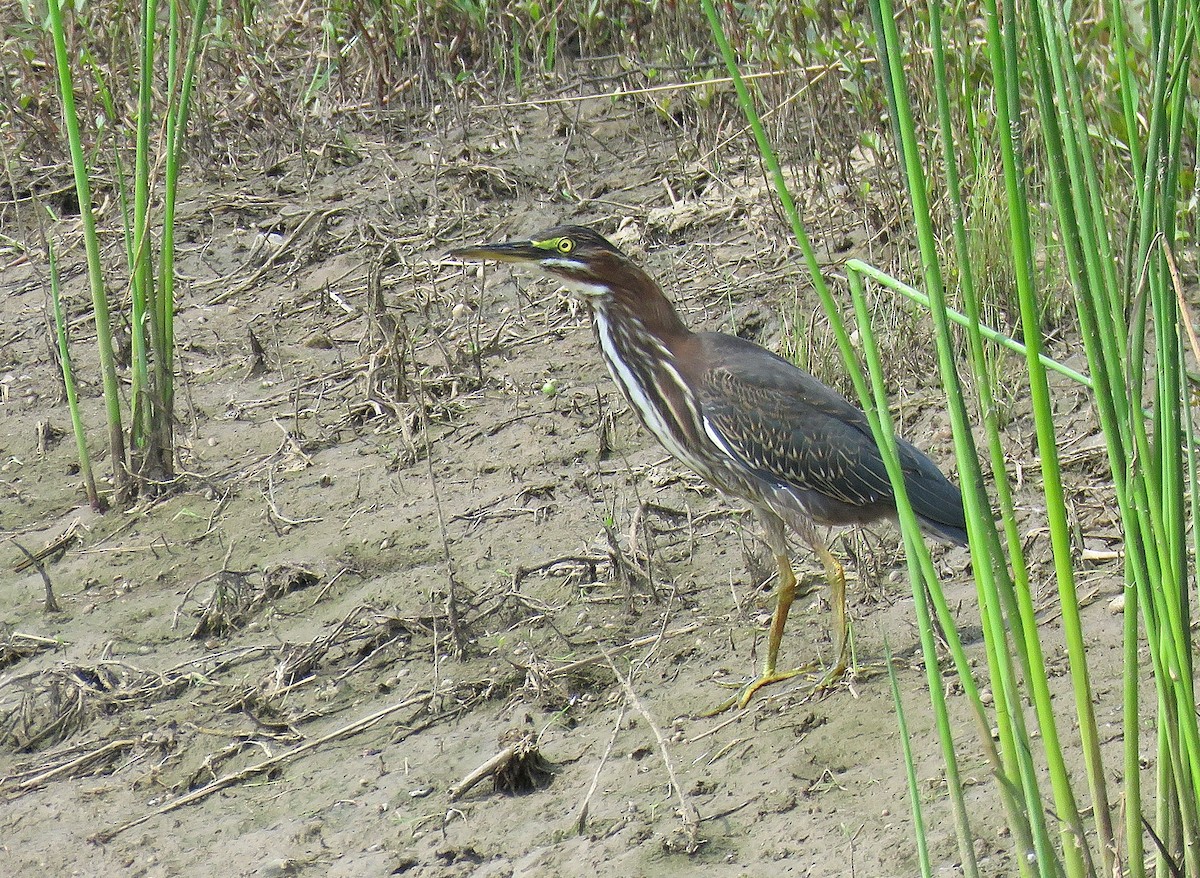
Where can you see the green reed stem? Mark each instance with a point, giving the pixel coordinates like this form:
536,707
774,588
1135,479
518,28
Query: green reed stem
910,769
980,362
142,280
177,114
108,370
923,578
64,359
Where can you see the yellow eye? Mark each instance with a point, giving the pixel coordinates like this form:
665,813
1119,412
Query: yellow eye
565,245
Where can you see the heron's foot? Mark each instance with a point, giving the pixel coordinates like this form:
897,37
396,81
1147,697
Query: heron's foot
830,678
742,698
827,682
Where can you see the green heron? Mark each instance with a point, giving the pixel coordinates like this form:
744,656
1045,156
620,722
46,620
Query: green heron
747,421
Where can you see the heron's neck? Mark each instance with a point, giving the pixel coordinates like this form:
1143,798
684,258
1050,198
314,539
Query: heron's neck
643,363
627,321
639,296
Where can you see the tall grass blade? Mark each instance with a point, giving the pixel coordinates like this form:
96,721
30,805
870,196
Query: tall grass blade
1148,475
998,592
177,113
924,581
151,273
142,279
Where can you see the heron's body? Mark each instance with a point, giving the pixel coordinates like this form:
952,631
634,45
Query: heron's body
751,423
826,468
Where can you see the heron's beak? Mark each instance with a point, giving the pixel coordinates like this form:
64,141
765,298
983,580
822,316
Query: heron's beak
509,251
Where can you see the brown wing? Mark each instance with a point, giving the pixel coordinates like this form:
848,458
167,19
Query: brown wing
790,428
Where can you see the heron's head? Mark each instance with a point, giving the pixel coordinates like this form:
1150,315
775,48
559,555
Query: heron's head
582,259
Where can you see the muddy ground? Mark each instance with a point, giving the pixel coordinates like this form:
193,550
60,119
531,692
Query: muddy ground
415,524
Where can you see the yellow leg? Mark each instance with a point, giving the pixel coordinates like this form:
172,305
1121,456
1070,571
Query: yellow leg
841,631
783,605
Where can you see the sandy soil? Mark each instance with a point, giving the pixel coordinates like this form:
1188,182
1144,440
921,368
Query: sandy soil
423,526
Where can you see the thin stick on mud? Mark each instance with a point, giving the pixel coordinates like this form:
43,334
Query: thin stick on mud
53,550
266,765
79,762
687,811
456,633
581,821
311,221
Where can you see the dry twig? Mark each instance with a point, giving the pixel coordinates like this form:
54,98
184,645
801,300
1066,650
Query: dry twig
581,820
53,550
457,635
605,655
51,605
73,767
687,811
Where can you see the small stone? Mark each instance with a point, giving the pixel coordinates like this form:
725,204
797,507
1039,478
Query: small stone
280,867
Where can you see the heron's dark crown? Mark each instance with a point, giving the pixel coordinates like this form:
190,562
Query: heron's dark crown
586,242
581,255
